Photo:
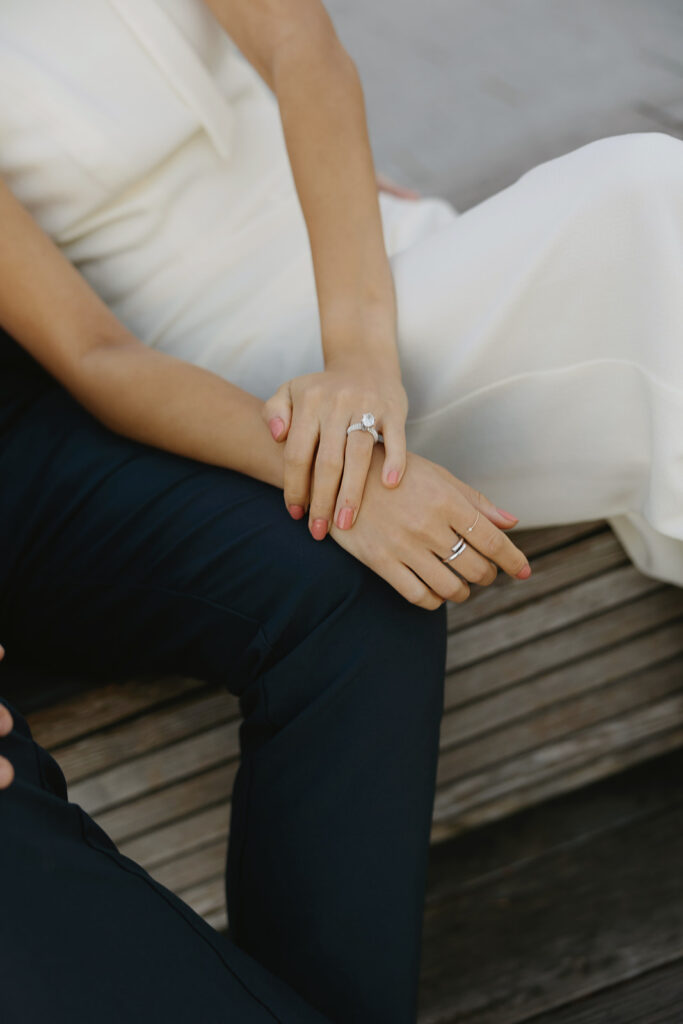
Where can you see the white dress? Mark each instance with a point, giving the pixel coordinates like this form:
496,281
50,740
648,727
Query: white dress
540,332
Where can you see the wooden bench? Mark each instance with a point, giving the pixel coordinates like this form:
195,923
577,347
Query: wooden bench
566,678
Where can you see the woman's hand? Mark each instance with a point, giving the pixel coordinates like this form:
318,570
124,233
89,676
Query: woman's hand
6,726
402,535
323,466
385,184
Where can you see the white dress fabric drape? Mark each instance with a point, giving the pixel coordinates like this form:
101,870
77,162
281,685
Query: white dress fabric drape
540,332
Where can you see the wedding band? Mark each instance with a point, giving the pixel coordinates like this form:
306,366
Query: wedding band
367,423
456,550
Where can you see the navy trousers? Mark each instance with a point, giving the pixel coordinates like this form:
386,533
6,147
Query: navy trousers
116,559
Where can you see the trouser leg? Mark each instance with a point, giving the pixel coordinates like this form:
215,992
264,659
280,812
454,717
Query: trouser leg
131,560
87,935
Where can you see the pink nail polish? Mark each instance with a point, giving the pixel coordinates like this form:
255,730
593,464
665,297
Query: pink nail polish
319,528
524,573
345,518
506,515
392,478
295,511
276,425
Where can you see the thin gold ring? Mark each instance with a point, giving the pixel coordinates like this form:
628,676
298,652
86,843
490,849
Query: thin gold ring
470,528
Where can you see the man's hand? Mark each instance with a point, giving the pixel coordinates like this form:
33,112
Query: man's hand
6,726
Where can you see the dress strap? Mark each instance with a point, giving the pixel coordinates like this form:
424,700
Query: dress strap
167,46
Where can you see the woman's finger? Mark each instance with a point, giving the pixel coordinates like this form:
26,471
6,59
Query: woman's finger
385,184
298,463
277,412
394,434
359,446
439,578
469,563
493,544
504,520
327,472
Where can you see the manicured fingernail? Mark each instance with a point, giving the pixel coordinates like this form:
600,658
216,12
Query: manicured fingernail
276,425
319,528
295,511
524,573
506,515
345,518
392,478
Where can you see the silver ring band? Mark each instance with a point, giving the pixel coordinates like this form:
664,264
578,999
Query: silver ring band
367,423
456,550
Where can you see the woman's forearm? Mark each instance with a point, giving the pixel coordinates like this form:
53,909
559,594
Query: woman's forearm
147,395
294,47
160,400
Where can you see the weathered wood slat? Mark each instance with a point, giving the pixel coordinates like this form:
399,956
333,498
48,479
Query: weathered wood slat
574,604
157,769
540,923
566,752
552,688
192,868
99,751
104,705
207,897
135,817
545,787
655,997
180,837
546,652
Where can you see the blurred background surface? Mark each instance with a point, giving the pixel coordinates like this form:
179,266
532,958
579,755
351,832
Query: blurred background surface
465,95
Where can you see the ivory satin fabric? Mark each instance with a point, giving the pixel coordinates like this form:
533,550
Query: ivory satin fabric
540,332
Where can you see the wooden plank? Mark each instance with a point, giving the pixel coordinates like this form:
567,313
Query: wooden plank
180,837
155,729
208,897
551,572
572,749
552,688
163,806
104,704
573,604
158,769
541,653
559,925
655,997
577,816
546,787
192,868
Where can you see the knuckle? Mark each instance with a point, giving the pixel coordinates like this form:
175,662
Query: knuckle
416,593
295,459
479,574
461,594
493,544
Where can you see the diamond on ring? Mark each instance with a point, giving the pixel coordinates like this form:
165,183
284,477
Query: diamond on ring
367,424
